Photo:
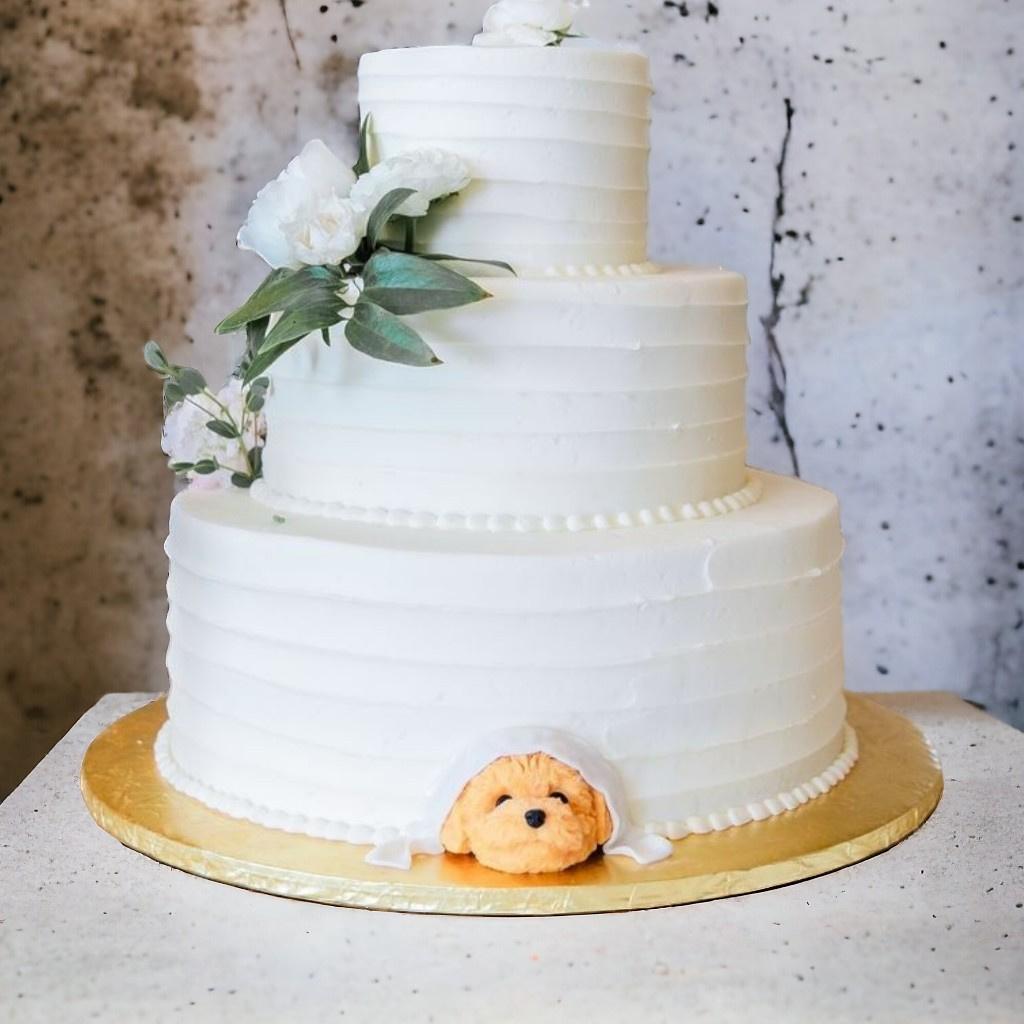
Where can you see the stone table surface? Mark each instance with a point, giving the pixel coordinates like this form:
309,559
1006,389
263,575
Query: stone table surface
931,930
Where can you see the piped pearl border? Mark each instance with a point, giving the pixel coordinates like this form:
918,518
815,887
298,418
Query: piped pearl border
759,810
483,523
605,270
364,835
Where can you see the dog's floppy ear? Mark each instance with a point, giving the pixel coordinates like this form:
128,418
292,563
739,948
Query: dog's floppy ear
603,819
454,836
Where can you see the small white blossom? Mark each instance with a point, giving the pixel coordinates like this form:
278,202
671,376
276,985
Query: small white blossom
304,216
186,437
528,22
433,173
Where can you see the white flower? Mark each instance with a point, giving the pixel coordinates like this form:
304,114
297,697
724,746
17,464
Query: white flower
304,216
186,437
516,35
433,173
326,234
528,22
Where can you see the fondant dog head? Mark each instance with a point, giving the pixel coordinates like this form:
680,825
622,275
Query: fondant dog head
526,815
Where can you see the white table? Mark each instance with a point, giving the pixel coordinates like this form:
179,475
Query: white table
931,930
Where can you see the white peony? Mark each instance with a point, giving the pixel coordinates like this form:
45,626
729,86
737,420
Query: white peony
528,22
305,216
187,439
433,173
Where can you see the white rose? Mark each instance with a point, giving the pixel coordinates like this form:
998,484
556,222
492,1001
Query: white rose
187,439
433,173
549,15
527,22
516,35
325,233
304,216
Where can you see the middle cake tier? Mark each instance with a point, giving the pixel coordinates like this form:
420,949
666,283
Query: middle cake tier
590,399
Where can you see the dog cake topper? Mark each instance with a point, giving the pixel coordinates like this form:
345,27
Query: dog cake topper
526,801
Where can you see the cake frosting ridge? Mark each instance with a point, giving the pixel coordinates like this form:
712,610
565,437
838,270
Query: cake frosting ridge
524,508
558,139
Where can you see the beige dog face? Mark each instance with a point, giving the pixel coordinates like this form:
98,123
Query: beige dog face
527,815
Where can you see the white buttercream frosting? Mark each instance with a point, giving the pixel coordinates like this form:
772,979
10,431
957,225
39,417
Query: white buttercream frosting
328,670
556,139
562,403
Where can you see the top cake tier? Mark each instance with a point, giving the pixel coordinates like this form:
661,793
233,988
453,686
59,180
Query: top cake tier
557,140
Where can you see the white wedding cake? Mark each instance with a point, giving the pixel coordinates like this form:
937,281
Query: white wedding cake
553,532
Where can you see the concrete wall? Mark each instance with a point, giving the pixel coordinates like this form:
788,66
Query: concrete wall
868,152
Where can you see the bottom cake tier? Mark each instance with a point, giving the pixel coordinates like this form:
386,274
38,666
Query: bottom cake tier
325,675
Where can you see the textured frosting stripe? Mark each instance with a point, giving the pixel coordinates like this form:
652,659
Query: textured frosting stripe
332,668
557,141
562,403
716,821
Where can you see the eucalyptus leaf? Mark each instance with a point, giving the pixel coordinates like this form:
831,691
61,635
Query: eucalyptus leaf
435,257
255,332
206,467
183,467
222,429
173,395
325,336
295,324
404,284
376,332
256,395
241,480
383,212
284,290
191,381
256,461
264,360
155,358
363,162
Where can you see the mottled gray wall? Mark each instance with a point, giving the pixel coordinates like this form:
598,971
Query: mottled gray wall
857,161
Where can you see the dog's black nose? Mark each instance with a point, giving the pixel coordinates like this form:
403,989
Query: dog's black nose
535,818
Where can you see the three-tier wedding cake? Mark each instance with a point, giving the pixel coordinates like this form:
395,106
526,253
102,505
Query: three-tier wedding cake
547,543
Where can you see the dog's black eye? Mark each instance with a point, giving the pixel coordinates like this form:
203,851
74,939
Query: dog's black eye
501,799
560,796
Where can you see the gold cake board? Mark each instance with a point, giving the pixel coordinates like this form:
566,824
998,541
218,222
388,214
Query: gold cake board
890,792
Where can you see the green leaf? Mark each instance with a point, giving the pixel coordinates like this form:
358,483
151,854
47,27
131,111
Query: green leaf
256,461
183,467
255,332
363,162
264,360
222,429
191,382
155,358
383,212
205,467
380,334
173,395
325,335
402,283
296,324
283,290
242,480
256,395
441,257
